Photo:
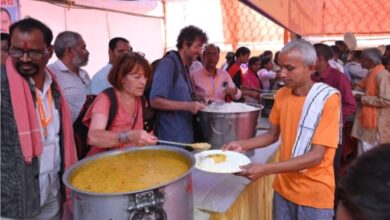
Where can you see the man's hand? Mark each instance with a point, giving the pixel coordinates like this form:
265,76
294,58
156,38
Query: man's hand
358,97
230,91
253,171
195,107
233,146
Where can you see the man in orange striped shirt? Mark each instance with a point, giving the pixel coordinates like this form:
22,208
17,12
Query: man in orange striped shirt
304,183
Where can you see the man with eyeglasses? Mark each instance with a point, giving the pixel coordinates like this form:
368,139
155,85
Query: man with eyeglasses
212,83
172,92
36,129
72,54
116,47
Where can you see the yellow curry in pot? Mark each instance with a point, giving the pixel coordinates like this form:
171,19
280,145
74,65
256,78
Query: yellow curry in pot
131,171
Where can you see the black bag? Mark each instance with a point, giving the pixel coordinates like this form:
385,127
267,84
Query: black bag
198,130
148,114
80,131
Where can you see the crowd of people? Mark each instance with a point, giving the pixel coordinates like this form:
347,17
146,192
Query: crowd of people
314,114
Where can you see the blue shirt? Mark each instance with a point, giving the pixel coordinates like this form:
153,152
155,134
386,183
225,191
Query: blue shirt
100,81
172,125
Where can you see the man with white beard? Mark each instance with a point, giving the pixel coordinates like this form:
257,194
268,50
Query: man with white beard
72,54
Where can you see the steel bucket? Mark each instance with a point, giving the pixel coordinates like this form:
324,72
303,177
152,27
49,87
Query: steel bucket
173,200
220,128
267,100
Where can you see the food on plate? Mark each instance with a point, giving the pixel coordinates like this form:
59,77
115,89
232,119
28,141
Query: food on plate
218,161
217,158
131,171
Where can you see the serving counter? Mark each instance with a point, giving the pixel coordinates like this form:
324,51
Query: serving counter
230,197
255,201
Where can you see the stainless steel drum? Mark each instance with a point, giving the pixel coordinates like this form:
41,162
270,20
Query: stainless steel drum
267,100
220,128
173,201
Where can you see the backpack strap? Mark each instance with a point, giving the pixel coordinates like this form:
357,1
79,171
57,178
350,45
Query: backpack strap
185,75
143,102
175,71
149,115
113,106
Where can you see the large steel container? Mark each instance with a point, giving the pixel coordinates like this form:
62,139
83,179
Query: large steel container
173,201
220,128
267,100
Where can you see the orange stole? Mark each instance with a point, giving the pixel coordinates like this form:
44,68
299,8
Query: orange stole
368,114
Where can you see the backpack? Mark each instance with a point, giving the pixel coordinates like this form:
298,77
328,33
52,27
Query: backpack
149,113
80,131
175,70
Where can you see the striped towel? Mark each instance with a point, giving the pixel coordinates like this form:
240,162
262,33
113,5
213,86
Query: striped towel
27,122
25,115
311,115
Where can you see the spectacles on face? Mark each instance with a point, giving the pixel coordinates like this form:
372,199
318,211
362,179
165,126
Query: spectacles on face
33,54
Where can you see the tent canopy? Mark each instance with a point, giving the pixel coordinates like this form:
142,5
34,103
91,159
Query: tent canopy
327,17
100,20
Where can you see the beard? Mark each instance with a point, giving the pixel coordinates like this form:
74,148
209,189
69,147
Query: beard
27,68
79,61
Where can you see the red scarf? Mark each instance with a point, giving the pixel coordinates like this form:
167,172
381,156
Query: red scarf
27,122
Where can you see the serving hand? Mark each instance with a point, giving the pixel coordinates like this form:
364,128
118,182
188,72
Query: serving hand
142,138
233,146
253,171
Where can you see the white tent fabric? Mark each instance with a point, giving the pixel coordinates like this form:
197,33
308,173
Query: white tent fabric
98,26
141,22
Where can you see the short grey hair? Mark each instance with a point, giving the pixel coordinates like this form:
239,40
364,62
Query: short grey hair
373,54
65,40
305,48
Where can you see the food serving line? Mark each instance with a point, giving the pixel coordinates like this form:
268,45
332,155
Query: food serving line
218,196
227,196
181,197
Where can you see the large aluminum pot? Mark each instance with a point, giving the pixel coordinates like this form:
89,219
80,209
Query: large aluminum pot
220,128
171,201
267,100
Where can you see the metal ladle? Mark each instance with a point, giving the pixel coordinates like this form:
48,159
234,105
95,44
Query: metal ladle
195,146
